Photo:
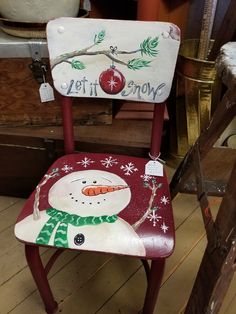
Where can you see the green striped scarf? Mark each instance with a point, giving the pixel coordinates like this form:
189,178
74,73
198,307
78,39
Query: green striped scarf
60,220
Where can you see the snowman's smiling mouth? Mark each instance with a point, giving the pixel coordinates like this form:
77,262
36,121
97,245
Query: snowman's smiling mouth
76,200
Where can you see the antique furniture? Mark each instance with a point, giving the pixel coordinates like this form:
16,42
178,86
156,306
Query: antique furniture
104,202
210,170
29,128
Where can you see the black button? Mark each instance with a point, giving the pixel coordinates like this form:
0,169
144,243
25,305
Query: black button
79,239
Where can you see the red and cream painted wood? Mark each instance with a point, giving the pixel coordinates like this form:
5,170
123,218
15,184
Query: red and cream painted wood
101,202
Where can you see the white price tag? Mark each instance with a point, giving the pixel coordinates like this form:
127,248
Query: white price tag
87,5
46,92
154,168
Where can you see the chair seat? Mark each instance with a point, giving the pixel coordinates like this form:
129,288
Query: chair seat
103,203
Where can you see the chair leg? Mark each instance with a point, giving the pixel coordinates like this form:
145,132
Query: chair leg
146,268
40,277
154,284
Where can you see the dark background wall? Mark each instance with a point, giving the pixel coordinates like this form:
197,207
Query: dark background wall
193,25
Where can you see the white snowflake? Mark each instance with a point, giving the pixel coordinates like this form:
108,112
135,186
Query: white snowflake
164,227
67,168
109,162
164,200
129,168
86,162
146,177
112,83
154,218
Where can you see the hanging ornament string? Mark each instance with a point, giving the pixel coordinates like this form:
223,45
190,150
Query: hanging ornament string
36,212
113,52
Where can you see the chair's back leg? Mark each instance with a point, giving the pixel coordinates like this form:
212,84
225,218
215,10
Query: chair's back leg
68,131
157,127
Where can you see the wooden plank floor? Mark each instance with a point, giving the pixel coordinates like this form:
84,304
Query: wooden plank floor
96,283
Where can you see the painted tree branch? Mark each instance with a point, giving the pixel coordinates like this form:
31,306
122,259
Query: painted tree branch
36,211
85,52
149,210
147,47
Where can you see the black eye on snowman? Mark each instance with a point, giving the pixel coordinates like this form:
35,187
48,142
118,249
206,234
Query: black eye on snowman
84,182
94,182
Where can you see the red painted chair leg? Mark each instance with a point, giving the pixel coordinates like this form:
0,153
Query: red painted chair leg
40,277
146,267
154,283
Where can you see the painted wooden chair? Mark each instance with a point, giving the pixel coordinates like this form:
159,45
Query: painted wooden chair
102,202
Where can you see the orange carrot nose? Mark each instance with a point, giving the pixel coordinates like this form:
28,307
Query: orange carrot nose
94,190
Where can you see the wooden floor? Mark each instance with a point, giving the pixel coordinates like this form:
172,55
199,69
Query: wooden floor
91,283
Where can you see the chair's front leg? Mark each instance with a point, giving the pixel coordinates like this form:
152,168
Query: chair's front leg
154,284
40,277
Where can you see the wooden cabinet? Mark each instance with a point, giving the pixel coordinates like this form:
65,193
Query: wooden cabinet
25,156
20,101
27,152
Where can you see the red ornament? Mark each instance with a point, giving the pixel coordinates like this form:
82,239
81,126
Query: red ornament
112,81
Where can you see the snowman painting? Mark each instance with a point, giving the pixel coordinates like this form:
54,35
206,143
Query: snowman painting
84,215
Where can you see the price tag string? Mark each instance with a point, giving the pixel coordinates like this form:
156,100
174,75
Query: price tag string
156,158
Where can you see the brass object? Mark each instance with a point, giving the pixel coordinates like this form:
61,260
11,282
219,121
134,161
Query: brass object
196,94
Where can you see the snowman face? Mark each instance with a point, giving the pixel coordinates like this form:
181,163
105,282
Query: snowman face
90,193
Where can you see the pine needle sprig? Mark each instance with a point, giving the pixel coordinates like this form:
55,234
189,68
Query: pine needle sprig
98,38
148,47
78,65
137,64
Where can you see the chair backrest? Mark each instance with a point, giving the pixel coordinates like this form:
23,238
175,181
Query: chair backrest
129,60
